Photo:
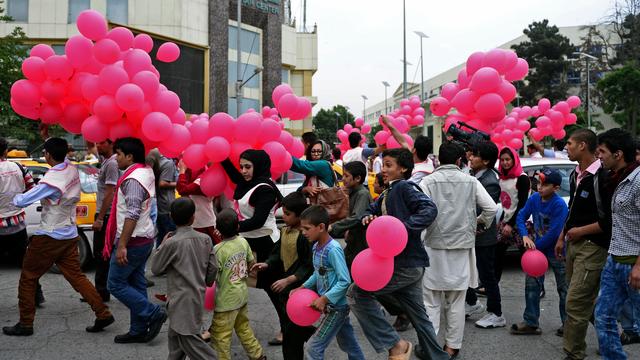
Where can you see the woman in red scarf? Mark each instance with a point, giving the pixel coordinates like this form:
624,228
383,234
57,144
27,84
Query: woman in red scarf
514,186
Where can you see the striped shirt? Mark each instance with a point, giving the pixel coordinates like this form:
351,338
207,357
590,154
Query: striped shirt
625,216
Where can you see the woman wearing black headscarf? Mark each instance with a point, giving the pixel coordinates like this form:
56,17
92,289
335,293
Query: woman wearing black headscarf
256,199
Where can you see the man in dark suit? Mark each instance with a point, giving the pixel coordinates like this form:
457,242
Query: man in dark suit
482,162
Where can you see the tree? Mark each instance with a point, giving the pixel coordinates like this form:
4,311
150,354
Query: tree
625,20
546,52
620,95
328,121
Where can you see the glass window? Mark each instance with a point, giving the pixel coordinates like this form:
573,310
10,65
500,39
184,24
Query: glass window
573,77
249,41
285,75
247,103
18,10
247,70
58,49
118,11
75,8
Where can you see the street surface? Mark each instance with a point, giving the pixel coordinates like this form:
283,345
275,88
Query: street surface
59,327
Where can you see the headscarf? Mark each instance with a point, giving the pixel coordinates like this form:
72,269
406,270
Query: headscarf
516,169
326,151
261,173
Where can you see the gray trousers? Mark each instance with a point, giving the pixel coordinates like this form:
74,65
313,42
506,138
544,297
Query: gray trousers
181,346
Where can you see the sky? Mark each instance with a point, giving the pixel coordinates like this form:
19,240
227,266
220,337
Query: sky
360,41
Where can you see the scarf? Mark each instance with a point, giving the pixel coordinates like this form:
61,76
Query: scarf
516,169
261,174
616,177
112,224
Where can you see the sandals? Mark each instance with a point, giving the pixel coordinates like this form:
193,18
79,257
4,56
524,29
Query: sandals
406,355
524,329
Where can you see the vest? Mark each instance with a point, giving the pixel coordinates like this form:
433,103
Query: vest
425,167
63,212
354,154
508,197
246,211
11,184
144,226
204,216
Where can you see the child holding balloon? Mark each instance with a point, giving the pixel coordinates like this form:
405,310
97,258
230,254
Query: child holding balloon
331,280
549,213
187,257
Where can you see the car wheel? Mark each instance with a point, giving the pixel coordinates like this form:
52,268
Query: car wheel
84,250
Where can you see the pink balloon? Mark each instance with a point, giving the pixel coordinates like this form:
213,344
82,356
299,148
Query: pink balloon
92,25
73,116
157,126
58,67
148,82
279,91
518,72
534,263
420,111
91,88
269,131
386,236
195,159
143,42
179,140
217,149
106,51
401,124
168,52
297,148
53,90
348,128
221,124
414,102
559,135
563,107
199,131
535,111
544,105
495,59
286,139
277,169
543,122
179,117
303,109
464,101
287,105
33,69
94,130
417,120
573,101
213,180
167,102
524,125
26,93
111,78
525,112
129,97
276,152
106,108
510,60
359,122
237,148
439,106
381,137
515,143
122,36
366,128
247,126
571,119
299,307
78,50
485,80
135,61
119,130
507,91
449,90
490,106
210,298
50,113
342,136
371,272
474,62
42,51
510,123
463,79
536,134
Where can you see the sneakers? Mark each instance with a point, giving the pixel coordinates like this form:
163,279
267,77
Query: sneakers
491,321
470,310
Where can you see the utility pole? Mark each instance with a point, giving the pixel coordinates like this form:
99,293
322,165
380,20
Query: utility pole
404,48
238,61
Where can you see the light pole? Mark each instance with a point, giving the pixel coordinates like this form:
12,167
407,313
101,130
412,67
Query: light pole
404,49
386,108
587,58
422,36
238,60
364,102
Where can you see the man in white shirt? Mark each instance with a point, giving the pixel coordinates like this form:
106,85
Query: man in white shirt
357,152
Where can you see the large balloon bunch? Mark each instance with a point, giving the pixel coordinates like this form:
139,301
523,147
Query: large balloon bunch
343,134
104,87
409,114
288,104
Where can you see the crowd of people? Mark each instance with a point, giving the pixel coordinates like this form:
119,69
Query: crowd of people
455,251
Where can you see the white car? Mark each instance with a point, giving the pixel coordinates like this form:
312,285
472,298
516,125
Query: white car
289,182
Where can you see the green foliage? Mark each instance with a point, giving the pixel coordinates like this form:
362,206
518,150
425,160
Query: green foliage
546,52
620,95
328,121
628,29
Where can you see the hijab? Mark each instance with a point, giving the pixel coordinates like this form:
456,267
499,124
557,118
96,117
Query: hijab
516,169
326,151
261,173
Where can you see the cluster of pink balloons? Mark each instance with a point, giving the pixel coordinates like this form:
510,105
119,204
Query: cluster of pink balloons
372,268
343,134
290,105
207,141
483,89
104,87
299,307
410,114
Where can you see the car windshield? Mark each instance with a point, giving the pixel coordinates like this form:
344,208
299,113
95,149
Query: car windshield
564,170
88,178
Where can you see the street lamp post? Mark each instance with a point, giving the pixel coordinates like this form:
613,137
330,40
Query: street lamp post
386,85
364,103
422,36
587,58
404,49
238,60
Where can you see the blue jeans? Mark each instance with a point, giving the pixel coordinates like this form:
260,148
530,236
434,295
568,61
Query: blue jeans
614,292
405,289
165,224
630,318
128,284
336,324
533,287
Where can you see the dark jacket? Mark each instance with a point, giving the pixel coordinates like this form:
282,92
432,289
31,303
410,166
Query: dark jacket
406,202
584,209
359,201
301,268
489,179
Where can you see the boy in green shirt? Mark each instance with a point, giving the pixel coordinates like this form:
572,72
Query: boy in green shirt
231,313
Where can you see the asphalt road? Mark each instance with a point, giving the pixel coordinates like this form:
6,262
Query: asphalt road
59,327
